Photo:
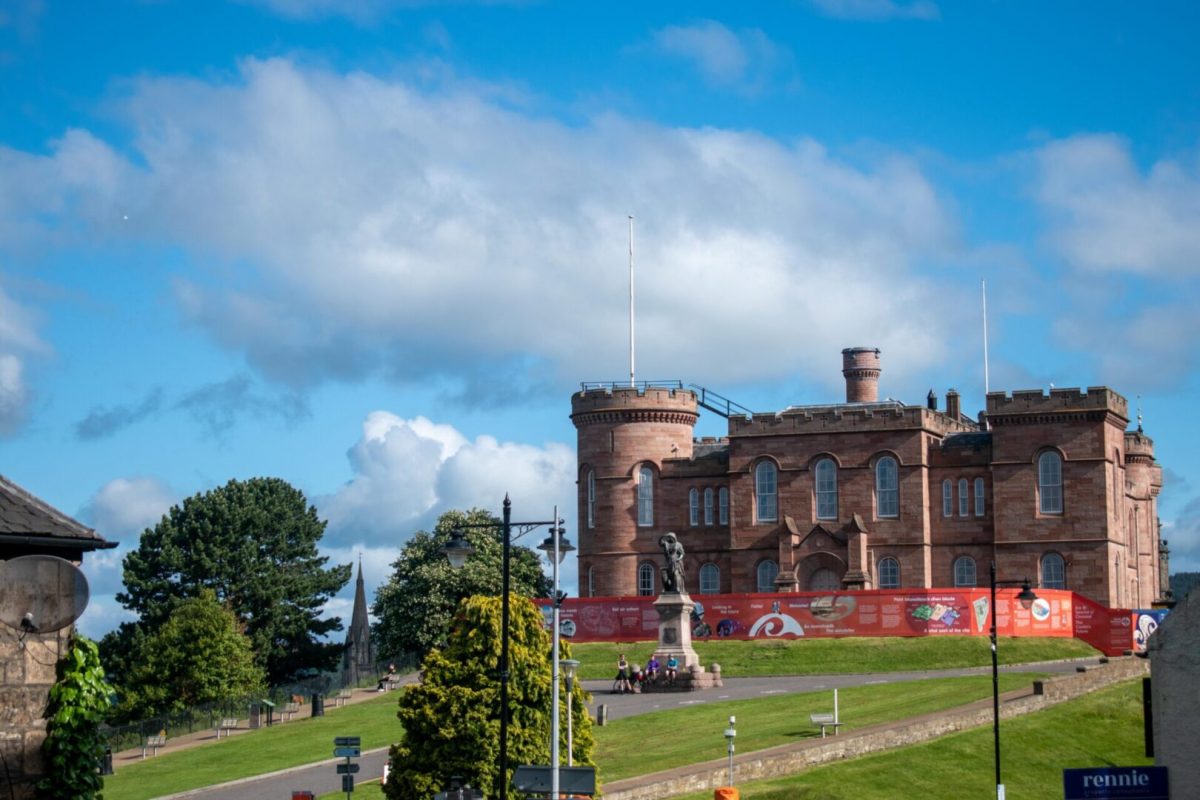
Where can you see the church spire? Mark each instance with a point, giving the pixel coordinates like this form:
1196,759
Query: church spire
358,660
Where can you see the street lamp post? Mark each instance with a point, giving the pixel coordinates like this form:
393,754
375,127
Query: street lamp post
1026,598
457,551
569,665
556,548
730,734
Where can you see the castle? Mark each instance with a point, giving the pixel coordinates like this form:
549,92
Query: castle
868,494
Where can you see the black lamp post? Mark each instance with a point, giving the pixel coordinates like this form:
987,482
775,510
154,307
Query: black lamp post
457,550
1026,598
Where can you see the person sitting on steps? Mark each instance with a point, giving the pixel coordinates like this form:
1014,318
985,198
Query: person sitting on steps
672,669
652,668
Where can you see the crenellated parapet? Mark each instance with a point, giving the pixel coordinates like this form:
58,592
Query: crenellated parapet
1139,448
846,418
624,404
1034,405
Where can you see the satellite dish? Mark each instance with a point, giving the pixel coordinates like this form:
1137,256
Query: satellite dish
40,594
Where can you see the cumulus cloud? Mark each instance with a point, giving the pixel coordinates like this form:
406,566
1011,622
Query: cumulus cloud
18,340
379,228
408,471
724,57
876,10
1106,214
1183,537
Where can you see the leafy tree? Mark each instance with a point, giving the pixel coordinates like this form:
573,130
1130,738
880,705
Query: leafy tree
254,544
197,657
415,606
73,746
451,718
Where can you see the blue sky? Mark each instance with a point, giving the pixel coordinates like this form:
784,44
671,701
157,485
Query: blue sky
372,247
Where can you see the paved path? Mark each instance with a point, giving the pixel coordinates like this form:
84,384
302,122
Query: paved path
321,778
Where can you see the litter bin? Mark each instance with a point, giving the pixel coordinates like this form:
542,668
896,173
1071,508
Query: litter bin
318,705
106,762
255,716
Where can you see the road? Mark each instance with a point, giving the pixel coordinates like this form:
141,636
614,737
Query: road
322,778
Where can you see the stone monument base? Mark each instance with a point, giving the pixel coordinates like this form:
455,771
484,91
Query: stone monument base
675,639
688,680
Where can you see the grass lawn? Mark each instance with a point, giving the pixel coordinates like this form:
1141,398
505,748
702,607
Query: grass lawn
651,742
362,791
1101,729
743,659
256,752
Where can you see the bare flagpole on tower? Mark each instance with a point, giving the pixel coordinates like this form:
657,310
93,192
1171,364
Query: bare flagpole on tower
631,351
983,292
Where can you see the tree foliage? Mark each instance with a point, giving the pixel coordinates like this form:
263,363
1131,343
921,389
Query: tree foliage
254,544
451,719
198,657
74,746
415,606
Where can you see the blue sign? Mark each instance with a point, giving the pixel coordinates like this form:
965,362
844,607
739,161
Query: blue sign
1116,783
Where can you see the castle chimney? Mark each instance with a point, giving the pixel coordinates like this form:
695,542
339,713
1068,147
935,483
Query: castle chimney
931,401
953,409
860,365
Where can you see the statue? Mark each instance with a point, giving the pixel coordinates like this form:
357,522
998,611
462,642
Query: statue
672,573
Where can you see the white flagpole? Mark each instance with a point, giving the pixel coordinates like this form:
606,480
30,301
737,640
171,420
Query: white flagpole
983,291
631,350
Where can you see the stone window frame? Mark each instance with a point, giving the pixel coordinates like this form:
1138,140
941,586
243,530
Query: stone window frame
947,498
708,506
882,568
758,575
764,495
980,497
823,497
693,506
1047,491
645,496
723,505
891,508
1052,557
590,497
964,498
645,585
710,578
959,571
591,581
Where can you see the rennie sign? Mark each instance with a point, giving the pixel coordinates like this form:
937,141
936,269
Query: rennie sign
1116,783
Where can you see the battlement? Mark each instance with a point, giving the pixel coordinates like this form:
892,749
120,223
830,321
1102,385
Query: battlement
1034,401
889,415
1139,448
642,402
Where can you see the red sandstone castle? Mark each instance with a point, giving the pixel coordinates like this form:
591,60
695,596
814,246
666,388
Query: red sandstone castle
869,494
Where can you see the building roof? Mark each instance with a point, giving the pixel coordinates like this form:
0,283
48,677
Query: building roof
29,520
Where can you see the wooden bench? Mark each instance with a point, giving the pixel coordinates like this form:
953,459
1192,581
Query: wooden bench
152,743
390,682
341,698
825,721
228,724
290,710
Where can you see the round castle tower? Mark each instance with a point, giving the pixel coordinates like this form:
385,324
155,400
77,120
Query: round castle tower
620,430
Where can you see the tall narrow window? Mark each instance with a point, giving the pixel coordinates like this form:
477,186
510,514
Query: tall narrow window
887,488
1050,494
979,504
768,571
889,573
1054,571
827,489
964,571
646,579
766,492
708,507
963,498
591,581
645,497
710,579
694,507
947,498
723,505
591,498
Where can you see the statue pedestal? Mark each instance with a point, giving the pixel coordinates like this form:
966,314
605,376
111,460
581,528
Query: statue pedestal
675,639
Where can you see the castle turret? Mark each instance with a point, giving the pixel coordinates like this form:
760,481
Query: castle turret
625,434
861,367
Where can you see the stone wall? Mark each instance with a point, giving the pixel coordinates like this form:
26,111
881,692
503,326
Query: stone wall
27,671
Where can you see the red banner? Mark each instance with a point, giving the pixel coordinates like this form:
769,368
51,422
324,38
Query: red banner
905,612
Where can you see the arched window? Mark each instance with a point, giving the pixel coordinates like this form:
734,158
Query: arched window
963,498
887,488
646,579
947,498
827,489
694,507
824,580
768,570
591,581
708,507
591,498
1050,494
723,505
710,579
766,492
964,571
979,502
645,495
1054,572
889,573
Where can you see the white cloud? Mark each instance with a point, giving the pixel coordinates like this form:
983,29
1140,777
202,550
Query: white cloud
1183,537
1106,214
878,9
18,340
722,56
376,227
119,511
103,614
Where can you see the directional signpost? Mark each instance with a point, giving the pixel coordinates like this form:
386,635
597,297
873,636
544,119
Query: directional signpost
347,747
